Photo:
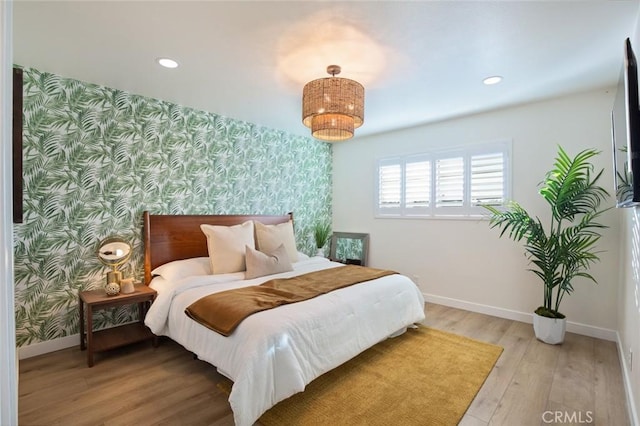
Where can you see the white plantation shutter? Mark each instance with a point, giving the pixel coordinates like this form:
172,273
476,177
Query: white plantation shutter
449,183
488,179
454,183
417,185
389,186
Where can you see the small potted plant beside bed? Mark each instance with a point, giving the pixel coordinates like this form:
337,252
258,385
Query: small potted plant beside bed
321,234
565,249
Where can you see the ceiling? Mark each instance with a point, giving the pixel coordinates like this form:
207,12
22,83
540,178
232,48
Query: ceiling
420,62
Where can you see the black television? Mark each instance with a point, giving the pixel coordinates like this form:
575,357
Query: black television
625,133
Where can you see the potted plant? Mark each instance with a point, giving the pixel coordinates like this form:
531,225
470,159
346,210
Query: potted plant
321,234
566,248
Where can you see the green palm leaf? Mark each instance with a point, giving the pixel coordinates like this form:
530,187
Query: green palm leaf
569,188
566,249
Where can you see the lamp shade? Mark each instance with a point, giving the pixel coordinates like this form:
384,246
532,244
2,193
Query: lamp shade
332,127
333,107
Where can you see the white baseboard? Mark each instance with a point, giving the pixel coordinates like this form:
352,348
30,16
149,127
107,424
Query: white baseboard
41,348
626,378
573,327
586,330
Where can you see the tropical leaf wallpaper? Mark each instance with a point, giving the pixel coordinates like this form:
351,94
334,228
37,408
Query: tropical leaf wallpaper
95,158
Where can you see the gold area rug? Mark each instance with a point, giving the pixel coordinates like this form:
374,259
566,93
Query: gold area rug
423,377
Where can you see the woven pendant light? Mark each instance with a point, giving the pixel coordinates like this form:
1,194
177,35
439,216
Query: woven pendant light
333,107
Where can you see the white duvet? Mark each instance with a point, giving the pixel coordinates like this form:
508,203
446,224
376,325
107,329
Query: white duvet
275,353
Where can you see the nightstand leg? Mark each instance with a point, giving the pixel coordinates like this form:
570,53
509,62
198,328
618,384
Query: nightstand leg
89,336
81,308
143,307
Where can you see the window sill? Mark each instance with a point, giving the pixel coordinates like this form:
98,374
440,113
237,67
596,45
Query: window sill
473,218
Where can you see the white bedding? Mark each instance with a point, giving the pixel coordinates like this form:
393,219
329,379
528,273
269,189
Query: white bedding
275,353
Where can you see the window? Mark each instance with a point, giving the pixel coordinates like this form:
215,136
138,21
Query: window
417,185
449,182
390,186
488,179
453,183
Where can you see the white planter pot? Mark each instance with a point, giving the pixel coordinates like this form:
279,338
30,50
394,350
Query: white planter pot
320,252
549,330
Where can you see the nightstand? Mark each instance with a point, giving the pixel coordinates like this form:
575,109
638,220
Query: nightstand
110,338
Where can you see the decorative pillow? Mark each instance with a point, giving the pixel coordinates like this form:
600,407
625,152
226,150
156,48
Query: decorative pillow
260,264
269,237
226,246
178,269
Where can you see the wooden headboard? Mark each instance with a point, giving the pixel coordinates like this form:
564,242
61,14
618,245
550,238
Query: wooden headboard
177,237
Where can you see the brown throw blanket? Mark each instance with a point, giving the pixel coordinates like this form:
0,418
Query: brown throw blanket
224,311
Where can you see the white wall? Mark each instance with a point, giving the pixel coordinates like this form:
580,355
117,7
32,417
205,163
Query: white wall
465,263
629,301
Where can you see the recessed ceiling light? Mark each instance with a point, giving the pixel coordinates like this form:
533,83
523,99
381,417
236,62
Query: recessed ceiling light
492,80
167,63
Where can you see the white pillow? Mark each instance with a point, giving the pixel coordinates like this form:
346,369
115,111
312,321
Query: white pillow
269,237
260,264
179,269
226,246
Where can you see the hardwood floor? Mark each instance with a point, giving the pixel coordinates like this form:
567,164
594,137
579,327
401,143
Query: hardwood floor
578,382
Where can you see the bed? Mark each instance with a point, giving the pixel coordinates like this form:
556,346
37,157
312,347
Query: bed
275,353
